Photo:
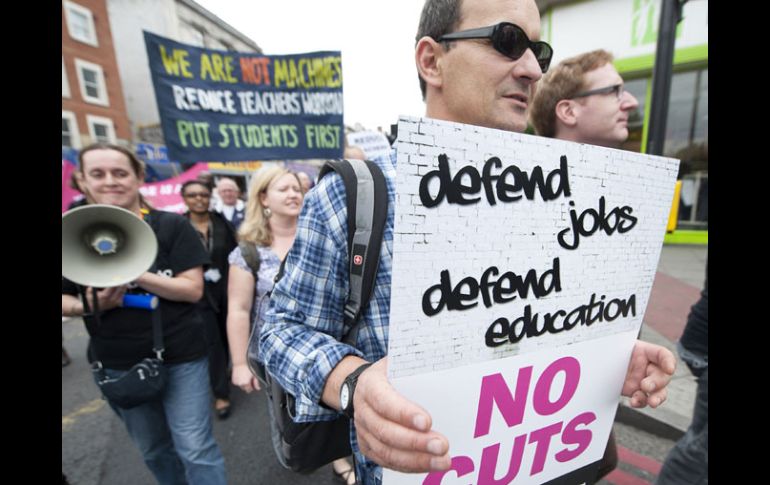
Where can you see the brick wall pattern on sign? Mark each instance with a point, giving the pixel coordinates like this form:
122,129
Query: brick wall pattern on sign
516,236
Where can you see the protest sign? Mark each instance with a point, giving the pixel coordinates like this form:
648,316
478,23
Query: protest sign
522,267
373,143
229,106
68,194
165,195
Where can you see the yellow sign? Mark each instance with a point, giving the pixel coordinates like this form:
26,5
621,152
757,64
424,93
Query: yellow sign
235,166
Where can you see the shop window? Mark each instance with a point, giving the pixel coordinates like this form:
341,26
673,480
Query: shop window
687,140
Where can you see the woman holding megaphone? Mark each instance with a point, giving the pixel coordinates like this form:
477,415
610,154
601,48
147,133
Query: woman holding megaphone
174,431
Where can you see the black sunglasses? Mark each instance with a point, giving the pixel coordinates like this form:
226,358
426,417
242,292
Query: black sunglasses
509,40
192,195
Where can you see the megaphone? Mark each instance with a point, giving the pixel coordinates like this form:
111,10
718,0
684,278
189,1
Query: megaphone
105,246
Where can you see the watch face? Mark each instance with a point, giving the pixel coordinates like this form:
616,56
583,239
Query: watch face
344,395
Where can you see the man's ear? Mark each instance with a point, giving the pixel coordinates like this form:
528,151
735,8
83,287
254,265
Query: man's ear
566,112
427,56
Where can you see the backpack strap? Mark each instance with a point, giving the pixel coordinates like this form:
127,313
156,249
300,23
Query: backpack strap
251,256
367,205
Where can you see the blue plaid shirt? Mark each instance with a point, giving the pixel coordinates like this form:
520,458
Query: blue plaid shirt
300,339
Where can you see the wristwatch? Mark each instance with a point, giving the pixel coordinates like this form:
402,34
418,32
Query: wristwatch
348,388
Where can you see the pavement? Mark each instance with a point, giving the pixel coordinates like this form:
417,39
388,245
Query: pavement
678,282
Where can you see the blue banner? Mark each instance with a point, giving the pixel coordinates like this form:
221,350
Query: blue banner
229,106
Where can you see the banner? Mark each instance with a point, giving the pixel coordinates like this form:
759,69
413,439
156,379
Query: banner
236,167
522,267
150,152
165,195
228,106
68,194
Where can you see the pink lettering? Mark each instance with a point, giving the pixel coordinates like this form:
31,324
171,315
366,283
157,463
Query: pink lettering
542,437
572,436
495,390
489,462
542,403
462,465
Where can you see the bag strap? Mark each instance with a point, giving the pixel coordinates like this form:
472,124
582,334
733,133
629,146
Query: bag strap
157,323
367,205
251,256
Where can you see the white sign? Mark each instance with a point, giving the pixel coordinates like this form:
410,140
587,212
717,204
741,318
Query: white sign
373,143
523,419
515,245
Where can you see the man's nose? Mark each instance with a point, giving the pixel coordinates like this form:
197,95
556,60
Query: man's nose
629,101
527,68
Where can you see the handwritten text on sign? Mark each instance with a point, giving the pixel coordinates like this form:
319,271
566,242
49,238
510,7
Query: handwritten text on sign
507,243
230,106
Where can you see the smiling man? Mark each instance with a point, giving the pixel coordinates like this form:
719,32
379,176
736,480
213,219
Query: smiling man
582,99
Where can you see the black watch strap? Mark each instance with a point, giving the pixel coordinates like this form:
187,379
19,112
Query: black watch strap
350,382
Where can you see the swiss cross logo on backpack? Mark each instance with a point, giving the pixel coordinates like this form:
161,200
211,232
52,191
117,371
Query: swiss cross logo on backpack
359,251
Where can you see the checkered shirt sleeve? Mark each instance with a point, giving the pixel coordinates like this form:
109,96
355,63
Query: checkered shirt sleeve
300,340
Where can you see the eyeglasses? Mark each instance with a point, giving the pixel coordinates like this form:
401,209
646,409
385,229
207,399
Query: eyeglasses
193,195
509,40
618,89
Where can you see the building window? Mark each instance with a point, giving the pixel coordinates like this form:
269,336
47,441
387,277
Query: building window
80,23
101,129
65,85
92,86
70,136
687,122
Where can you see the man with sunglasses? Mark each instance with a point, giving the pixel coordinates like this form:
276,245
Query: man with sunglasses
478,62
582,100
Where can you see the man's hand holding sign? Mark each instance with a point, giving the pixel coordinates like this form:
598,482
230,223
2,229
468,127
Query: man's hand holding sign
540,406
513,279
649,372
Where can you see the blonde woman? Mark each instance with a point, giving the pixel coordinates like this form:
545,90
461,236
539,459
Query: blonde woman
273,207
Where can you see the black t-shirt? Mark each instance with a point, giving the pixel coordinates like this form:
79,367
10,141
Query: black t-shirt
222,241
125,334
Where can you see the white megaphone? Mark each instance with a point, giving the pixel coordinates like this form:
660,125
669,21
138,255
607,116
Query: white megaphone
104,246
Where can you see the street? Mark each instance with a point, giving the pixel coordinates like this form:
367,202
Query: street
640,456
96,449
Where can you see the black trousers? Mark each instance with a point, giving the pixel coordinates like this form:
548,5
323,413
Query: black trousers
218,352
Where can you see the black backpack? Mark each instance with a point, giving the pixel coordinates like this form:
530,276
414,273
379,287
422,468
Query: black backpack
305,447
